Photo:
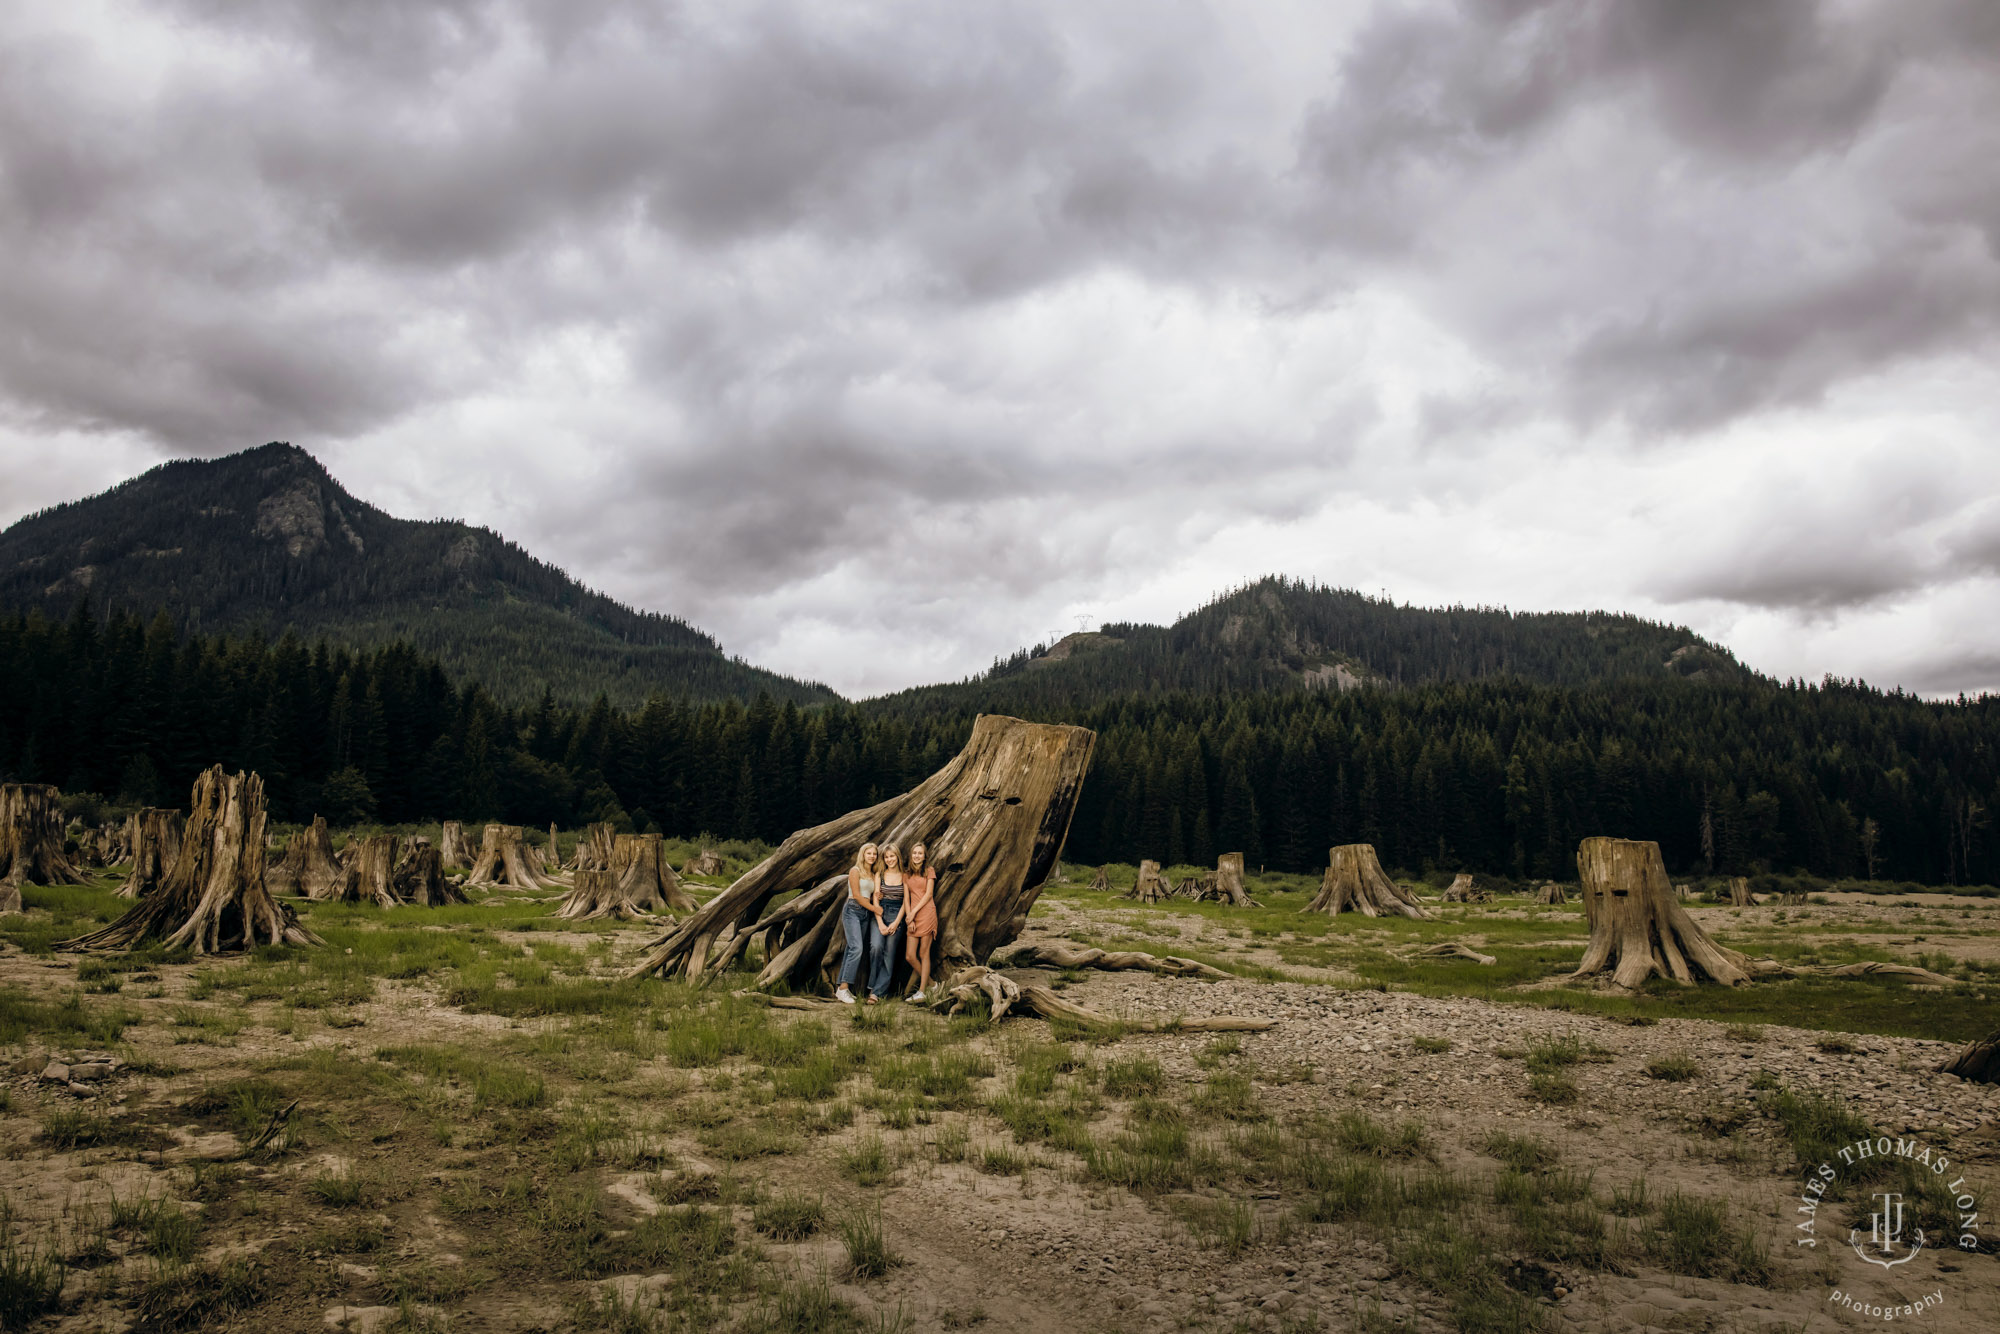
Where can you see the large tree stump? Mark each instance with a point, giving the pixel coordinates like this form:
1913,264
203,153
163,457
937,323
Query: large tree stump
1151,886
1102,880
1552,894
1739,892
1356,882
1978,1062
452,848
1637,927
1459,890
309,866
597,895
420,877
31,842
374,878
594,849
642,878
214,898
993,819
1229,880
156,838
706,862
503,860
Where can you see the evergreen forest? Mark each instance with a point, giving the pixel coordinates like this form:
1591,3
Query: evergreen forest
1732,775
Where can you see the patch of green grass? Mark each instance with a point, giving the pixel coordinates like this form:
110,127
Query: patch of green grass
1359,1133
866,1163
1133,1077
997,1160
1630,1200
1553,1088
868,1252
31,1278
804,1307
1695,1236
1225,1225
1521,1153
75,1128
1430,1046
1835,1045
64,1021
1744,1032
1060,1123
789,1217
1229,1096
493,1083
201,1296
1678,1068
950,1142
345,1189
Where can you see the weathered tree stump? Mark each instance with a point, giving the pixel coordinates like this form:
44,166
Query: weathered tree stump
1552,894
1151,886
1459,890
420,877
594,849
214,898
1356,882
1637,928
1101,881
1739,892
552,859
31,842
642,876
156,836
1196,888
994,820
374,878
1229,880
503,860
706,862
452,847
596,895
1979,1062
310,867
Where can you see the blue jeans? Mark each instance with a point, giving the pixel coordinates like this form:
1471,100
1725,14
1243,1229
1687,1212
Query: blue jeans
858,924
883,951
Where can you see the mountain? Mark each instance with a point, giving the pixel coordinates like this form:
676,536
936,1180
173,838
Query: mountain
1281,634
267,540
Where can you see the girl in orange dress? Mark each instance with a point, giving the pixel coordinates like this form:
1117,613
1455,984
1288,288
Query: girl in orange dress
920,909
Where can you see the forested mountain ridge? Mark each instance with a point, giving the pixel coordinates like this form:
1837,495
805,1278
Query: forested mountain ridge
1282,634
268,540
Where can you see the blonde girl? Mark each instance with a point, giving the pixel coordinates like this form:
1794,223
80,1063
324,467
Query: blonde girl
859,915
889,916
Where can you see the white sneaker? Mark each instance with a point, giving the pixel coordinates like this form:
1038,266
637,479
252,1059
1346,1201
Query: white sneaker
916,998
844,996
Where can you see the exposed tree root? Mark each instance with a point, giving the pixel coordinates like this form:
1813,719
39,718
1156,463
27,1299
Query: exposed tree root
1071,956
1454,950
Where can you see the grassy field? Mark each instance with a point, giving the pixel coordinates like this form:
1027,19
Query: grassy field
458,1118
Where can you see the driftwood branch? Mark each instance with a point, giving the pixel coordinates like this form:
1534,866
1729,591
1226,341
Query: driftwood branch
1070,956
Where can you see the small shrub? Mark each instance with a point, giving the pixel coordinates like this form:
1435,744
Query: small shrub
1629,1200
1744,1032
345,1189
1357,1132
1229,1096
31,1279
950,1142
1429,1045
1835,1045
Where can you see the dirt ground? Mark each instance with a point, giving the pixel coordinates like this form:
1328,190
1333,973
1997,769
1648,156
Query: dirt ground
460,1159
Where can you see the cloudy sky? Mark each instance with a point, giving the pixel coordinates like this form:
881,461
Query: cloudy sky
804,320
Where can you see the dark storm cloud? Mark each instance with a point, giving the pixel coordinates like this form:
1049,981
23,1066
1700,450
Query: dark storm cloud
1064,287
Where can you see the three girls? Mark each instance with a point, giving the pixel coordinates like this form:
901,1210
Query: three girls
883,899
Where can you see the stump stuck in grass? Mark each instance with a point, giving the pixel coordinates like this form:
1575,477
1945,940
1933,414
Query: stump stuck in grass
1552,894
1151,886
1739,892
155,834
594,849
707,862
638,882
1356,882
214,899
1637,928
503,860
309,867
31,842
420,877
374,872
452,847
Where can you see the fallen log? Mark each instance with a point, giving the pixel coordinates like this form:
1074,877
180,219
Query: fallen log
1002,995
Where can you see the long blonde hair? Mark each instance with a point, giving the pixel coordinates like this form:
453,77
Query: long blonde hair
860,867
885,851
